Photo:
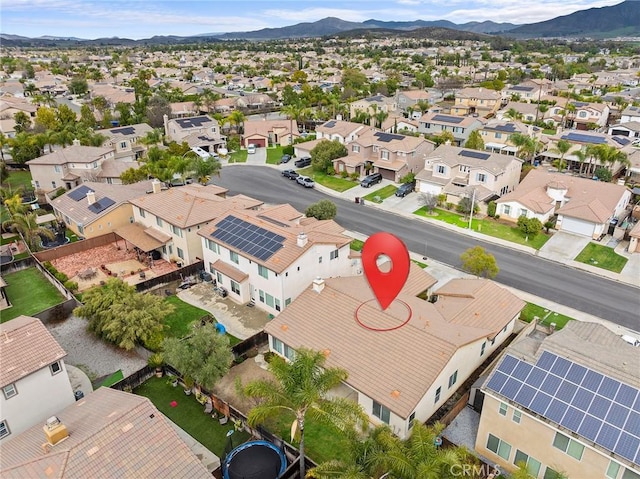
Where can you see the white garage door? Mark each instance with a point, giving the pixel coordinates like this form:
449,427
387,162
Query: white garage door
580,227
424,187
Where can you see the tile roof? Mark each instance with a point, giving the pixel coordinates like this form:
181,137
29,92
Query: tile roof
72,154
26,346
129,131
274,219
191,205
111,434
378,362
453,156
478,92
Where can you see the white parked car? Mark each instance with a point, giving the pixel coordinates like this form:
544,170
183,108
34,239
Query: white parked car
251,149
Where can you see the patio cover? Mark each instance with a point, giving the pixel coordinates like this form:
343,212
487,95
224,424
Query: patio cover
46,218
229,271
147,239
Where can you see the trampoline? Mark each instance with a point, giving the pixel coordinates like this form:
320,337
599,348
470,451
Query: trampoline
254,460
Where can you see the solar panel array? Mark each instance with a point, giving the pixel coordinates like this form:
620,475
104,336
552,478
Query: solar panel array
621,140
197,121
330,124
509,127
596,140
478,155
79,193
593,405
101,205
127,130
248,238
387,137
448,119
522,88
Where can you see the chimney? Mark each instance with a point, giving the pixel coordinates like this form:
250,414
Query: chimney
55,431
165,120
91,197
318,284
156,186
76,142
302,239
339,117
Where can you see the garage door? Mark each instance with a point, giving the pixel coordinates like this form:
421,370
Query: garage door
580,227
387,174
260,142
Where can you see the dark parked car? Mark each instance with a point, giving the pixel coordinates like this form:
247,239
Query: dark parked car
404,189
306,181
371,180
291,174
302,162
285,159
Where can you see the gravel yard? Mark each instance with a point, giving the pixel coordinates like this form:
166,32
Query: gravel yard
94,356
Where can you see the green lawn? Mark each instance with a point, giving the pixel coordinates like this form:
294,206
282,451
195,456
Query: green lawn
112,379
546,316
239,156
422,265
356,245
486,226
603,257
189,416
10,239
330,181
29,292
274,155
321,442
19,178
380,195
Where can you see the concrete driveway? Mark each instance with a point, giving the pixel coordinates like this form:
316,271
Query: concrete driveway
257,158
563,246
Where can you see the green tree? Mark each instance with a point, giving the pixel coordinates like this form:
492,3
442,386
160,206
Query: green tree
205,169
46,119
133,175
118,313
323,154
237,118
444,137
205,356
603,174
26,225
475,141
23,122
478,262
562,148
87,117
528,147
66,116
300,390
465,204
322,210
529,226
24,148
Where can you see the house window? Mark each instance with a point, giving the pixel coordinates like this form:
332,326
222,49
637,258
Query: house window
180,253
453,378
287,302
234,257
533,465
9,391
261,295
498,135
269,300
437,398
277,345
213,246
441,169
381,412
550,474
629,474
384,155
506,209
517,416
235,287
53,185
412,418
219,277
4,429
319,259
484,345
80,229
568,446
334,254
499,447
355,149
503,409
123,144
141,213
176,231
170,249
56,168
481,177
613,469
262,271
277,302
289,352
523,212
55,368
159,221
94,165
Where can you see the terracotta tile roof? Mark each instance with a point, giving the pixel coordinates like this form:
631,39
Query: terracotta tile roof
111,434
191,205
453,156
379,363
339,127
26,346
230,271
318,232
114,168
72,154
480,93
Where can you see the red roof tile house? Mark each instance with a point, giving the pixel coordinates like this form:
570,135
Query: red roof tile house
270,133
402,367
108,433
33,377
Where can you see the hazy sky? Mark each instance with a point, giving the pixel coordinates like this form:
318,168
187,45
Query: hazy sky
145,18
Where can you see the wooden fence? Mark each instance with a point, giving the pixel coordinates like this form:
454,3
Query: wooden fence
76,247
17,265
134,380
192,269
244,348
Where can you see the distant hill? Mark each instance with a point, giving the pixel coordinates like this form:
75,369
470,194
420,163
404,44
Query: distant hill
622,19
476,27
326,26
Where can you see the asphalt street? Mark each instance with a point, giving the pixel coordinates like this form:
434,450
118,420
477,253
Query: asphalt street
607,299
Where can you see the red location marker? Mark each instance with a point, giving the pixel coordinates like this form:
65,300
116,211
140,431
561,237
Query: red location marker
385,285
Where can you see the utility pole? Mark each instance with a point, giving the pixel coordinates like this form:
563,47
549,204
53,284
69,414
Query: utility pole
473,199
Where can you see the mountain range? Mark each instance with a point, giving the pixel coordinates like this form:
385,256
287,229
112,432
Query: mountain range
618,20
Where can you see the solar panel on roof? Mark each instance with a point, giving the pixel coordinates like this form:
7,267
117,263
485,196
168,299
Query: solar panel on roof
330,124
572,419
508,364
621,140
478,155
617,415
599,407
551,384
536,377
627,446
608,388
511,388
101,205
79,193
387,137
556,410
608,436
560,367
566,391
540,403
509,128
592,380
525,396
248,238
448,119
127,130
582,399
584,138
626,395
497,381
590,427
196,121
522,370
546,360
576,373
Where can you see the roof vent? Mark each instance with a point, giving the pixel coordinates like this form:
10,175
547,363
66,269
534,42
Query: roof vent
55,431
91,197
302,239
318,285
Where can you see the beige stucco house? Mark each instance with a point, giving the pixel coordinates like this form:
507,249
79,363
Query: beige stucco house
476,101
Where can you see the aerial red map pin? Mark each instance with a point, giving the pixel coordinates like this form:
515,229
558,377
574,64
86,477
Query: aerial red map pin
385,285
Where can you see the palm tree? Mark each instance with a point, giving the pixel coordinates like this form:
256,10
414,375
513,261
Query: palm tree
27,226
237,118
527,146
205,169
562,147
609,155
300,387
293,112
513,114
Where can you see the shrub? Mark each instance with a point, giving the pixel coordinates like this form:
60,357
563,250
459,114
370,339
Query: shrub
344,174
71,286
268,356
63,278
354,176
155,360
330,171
491,208
496,217
154,343
448,205
287,150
